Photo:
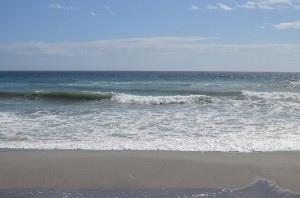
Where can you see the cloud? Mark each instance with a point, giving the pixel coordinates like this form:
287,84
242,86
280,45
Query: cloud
151,45
152,53
193,7
271,4
93,14
220,6
259,4
255,5
224,7
288,25
63,7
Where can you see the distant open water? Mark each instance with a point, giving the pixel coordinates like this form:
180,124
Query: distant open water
189,111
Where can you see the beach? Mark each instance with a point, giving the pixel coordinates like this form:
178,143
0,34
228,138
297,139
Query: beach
108,170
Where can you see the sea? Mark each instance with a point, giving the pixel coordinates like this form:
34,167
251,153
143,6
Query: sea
185,111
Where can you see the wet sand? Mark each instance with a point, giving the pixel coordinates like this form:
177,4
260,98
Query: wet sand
111,170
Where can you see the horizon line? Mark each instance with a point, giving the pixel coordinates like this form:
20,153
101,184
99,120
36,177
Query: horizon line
235,71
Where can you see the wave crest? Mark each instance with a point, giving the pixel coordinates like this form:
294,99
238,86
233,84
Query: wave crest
272,95
120,98
157,100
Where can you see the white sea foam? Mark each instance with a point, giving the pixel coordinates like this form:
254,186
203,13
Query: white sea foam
272,95
295,84
209,128
225,144
156,100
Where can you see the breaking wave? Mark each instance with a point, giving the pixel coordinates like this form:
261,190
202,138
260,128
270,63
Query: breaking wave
171,98
156,100
272,95
120,98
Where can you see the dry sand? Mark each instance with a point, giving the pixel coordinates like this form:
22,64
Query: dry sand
146,169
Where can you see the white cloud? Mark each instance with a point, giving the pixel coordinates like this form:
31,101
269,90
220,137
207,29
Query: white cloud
256,5
59,6
271,4
224,7
154,53
249,5
259,4
288,25
93,14
193,7
152,45
219,6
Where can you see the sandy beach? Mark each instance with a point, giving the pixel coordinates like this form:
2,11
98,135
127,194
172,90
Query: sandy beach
107,170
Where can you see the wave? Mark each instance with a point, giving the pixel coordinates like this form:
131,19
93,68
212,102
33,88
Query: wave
75,96
173,97
156,100
120,98
190,92
272,95
291,85
295,84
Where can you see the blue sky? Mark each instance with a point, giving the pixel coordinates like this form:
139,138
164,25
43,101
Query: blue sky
201,35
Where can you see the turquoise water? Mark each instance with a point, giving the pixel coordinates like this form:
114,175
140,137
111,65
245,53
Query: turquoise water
202,111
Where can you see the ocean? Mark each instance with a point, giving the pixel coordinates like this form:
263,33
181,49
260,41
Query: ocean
186,111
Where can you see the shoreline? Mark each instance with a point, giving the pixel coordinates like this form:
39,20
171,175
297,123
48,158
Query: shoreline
128,169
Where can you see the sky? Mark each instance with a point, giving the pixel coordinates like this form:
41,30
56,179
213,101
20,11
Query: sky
150,35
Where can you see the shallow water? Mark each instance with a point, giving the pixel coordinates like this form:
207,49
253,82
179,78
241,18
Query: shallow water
260,189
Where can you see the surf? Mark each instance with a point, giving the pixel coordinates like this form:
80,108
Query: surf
71,96
120,98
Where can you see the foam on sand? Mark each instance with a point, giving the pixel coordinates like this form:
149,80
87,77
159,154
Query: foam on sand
260,189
